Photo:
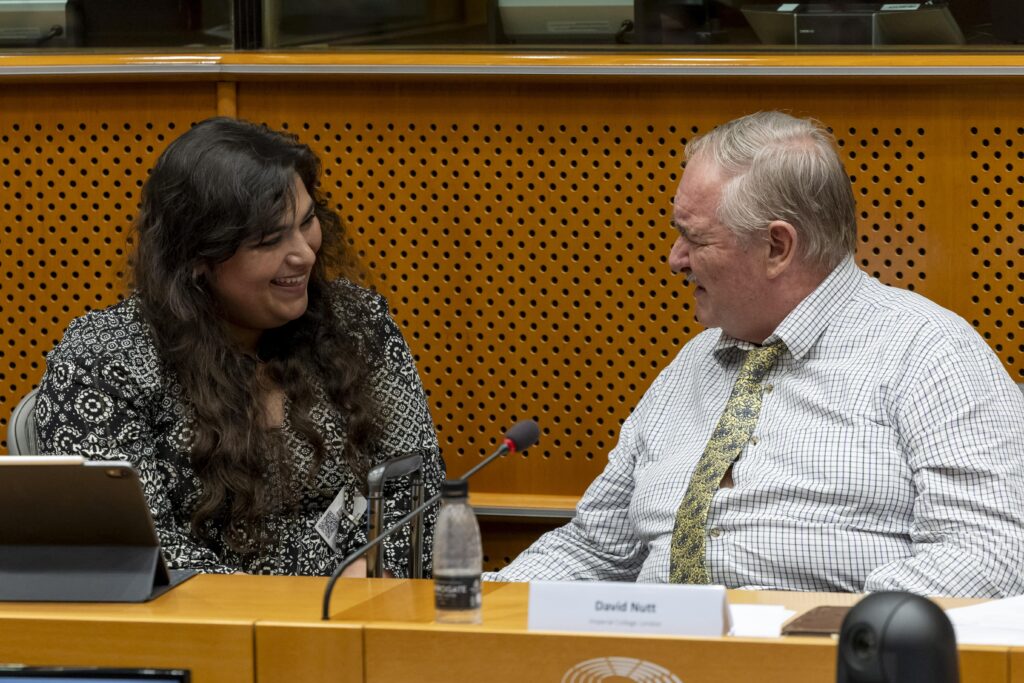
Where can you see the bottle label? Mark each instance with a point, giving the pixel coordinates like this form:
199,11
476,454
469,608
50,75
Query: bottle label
457,592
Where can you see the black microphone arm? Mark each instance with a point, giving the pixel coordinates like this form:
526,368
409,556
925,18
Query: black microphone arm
521,436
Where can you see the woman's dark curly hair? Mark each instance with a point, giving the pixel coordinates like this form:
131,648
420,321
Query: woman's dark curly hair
222,184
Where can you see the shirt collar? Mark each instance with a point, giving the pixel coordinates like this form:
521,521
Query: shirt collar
805,323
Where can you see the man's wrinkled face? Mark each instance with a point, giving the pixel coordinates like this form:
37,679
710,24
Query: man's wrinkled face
728,274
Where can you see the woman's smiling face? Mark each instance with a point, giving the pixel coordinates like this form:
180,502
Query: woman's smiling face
264,285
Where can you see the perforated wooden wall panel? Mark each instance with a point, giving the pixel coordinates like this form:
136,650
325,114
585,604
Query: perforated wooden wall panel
520,231
993,186
72,160
519,226
503,538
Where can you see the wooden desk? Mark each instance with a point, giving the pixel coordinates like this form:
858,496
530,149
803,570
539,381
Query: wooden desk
1016,665
401,642
267,629
205,625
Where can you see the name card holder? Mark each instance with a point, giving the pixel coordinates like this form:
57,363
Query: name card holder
612,607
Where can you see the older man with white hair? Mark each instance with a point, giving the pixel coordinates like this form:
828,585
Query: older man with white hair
827,432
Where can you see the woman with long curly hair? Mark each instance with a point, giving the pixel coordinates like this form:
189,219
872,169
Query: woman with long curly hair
250,389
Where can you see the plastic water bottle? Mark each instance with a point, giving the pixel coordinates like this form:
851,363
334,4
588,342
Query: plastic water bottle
458,558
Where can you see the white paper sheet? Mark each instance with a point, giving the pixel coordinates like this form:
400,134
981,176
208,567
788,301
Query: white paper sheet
758,621
999,622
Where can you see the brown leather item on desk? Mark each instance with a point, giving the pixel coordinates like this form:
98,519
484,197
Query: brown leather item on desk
824,620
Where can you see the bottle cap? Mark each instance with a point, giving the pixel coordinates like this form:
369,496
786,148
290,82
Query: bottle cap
454,488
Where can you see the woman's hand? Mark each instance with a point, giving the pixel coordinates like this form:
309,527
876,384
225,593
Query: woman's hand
357,570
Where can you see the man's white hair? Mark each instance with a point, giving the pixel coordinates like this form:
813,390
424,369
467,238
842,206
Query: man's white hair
778,167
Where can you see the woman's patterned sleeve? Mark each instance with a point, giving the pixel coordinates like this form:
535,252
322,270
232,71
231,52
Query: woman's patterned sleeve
92,403
406,427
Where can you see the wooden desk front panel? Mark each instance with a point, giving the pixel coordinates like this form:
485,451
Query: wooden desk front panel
245,628
206,624
214,652
1016,665
441,656
403,643
309,653
436,655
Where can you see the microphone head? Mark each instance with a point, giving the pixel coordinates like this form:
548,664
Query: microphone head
522,435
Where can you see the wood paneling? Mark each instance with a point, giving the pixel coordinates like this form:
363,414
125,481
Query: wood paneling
519,228
301,653
72,161
502,649
1017,665
517,224
215,653
267,629
504,538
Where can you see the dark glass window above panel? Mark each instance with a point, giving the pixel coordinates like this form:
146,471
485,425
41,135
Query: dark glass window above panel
516,25
645,24
115,23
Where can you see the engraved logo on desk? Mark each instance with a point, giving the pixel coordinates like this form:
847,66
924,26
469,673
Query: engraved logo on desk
603,668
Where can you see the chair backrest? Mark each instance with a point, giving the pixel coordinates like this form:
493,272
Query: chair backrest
21,430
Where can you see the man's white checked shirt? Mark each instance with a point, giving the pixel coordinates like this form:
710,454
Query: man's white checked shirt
888,455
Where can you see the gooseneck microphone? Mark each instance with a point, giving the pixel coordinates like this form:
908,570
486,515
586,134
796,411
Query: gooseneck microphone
521,436
895,637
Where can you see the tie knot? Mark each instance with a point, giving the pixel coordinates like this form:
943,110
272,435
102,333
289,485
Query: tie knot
760,360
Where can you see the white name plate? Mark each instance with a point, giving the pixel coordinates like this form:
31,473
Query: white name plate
612,607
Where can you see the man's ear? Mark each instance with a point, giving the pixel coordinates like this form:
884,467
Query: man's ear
782,244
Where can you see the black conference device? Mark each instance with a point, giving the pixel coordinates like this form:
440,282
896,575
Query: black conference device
895,637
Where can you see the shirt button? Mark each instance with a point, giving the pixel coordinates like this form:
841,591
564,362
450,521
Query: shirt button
715,533
753,440
768,388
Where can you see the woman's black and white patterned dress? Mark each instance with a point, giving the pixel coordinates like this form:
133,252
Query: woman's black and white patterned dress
107,395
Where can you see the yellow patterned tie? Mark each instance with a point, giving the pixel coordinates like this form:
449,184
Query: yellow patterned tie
731,434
